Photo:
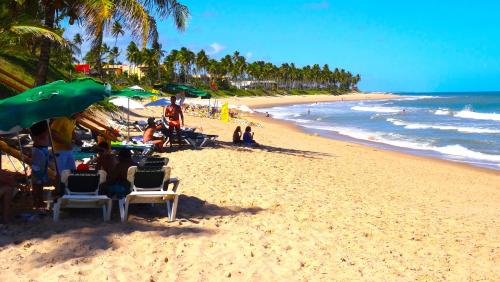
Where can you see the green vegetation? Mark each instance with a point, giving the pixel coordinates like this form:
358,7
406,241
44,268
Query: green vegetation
32,49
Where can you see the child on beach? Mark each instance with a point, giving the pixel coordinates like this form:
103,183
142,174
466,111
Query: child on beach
39,161
248,137
237,135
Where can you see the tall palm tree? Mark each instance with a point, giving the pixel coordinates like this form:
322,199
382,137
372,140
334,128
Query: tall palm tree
201,62
117,30
97,16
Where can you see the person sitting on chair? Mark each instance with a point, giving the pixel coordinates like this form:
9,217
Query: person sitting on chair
237,135
105,159
175,119
117,180
149,132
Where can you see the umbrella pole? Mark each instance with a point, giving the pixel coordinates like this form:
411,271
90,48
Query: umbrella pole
22,158
52,148
128,119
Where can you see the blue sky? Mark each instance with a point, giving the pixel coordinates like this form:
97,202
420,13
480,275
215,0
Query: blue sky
393,45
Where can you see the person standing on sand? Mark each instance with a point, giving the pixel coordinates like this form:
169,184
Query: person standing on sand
63,134
175,119
39,161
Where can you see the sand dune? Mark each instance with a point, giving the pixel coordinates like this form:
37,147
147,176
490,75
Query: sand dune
301,208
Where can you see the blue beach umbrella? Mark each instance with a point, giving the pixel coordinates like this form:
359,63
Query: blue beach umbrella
158,103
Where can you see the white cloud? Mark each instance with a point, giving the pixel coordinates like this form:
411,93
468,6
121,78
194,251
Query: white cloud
249,55
216,48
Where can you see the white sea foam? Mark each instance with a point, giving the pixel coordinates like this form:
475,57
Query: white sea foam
453,151
463,129
442,112
462,152
468,113
376,109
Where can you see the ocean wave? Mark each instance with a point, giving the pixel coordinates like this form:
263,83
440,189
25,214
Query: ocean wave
468,113
453,151
412,98
376,109
442,112
463,129
462,152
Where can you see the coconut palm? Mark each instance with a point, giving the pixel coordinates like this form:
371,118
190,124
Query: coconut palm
117,30
97,17
113,54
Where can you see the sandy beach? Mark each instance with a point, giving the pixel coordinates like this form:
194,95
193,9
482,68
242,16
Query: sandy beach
300,208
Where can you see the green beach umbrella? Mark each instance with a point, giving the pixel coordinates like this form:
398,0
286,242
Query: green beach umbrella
191,92
56,99
130,93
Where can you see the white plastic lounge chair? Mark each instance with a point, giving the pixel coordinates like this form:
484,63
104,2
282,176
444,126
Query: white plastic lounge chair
81,191
147,185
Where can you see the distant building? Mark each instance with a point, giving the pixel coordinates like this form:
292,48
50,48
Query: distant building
125,69
113,69
83,68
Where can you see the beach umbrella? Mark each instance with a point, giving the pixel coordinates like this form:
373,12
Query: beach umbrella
191,92
159,103
136,87
131,92
126,103
56,99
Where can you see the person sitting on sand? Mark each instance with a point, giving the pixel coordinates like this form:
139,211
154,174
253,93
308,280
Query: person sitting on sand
105,159
248,137
149,132
237,135
116,182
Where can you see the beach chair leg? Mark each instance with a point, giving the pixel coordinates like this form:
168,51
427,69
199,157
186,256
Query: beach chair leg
104,211
169,210
203,142
57,208
121,205
108,206
174,208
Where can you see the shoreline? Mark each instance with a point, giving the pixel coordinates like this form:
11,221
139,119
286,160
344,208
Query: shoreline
342,138
299,207
258,102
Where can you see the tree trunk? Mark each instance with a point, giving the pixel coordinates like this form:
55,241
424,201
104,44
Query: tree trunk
98,63
44,58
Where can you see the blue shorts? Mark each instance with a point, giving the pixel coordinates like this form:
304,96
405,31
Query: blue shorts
40,165
65,160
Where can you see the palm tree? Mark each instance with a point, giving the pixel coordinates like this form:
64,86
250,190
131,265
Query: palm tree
113,54
117,30
97,16
201,62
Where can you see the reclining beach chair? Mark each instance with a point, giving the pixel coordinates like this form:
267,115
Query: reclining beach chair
198,140
81,191
147,185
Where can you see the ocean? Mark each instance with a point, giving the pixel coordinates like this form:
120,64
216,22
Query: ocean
461,127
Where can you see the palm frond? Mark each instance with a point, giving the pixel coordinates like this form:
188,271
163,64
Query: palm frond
39,32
